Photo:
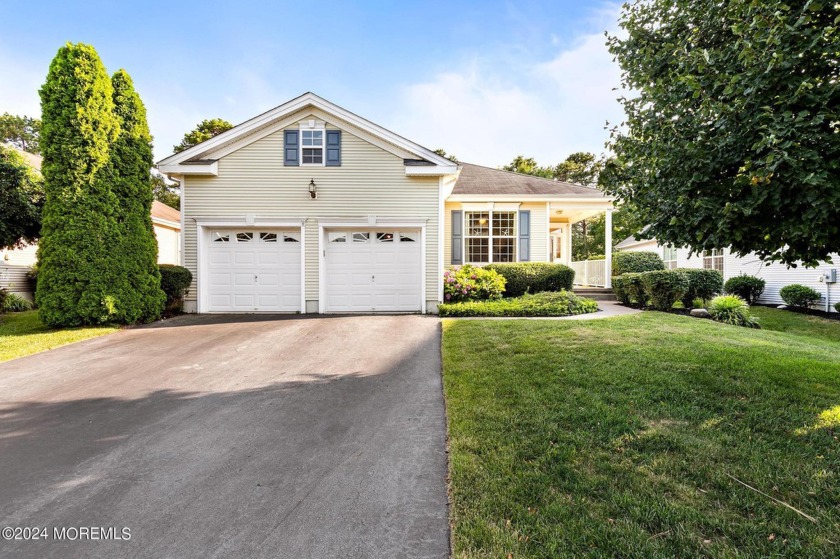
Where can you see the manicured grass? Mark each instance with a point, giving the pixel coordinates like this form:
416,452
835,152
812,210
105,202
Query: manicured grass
23,334
548,303
798,324
617,437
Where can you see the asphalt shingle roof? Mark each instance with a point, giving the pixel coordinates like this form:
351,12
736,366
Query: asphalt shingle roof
477,180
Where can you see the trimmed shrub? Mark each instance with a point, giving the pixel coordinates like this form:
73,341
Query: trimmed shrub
837,307
702,284
16,303
620,286
732,309
635,262
560,303
799,296
533,277
3,296
748,288
174,281
635,288
469,283
664,287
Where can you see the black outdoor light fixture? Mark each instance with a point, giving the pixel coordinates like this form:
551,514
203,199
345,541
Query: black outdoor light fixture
313,190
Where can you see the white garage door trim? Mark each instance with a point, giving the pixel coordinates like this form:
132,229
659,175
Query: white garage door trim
382,225
203,230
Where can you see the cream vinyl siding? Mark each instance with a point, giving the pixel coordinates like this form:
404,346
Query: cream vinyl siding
14,265
539,230
370,181
169,244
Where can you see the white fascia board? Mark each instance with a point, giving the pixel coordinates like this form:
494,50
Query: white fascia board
430,171
295,105
166,223
243,222
208,169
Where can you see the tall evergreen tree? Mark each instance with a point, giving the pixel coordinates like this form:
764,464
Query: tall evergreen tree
137,275
78,222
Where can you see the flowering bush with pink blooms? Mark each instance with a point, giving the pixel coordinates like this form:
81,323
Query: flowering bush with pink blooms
471,283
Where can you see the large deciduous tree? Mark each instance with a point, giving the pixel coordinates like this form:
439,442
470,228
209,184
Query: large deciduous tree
164,192
136,251
205,130
22,132
75,279
732,132
21,199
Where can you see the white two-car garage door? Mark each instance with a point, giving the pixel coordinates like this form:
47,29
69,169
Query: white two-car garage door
373,271
254,270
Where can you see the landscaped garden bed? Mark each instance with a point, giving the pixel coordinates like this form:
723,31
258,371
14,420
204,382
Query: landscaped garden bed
512,290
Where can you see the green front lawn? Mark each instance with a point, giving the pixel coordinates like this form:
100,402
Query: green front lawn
23,334
618,437
798,324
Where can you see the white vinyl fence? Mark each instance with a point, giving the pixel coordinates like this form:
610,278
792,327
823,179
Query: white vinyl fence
592,273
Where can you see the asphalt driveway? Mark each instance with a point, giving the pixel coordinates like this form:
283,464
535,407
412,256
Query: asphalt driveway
230,437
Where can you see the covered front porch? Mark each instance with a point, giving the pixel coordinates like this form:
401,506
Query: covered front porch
562,216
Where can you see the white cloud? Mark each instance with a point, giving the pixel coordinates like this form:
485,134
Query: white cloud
541,109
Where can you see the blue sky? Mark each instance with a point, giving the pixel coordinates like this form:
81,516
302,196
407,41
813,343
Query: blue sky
483,80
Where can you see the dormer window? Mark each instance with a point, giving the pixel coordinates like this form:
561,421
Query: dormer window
312,147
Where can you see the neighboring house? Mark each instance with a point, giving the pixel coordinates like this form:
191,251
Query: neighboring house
775,275
311,208
15,263
167,225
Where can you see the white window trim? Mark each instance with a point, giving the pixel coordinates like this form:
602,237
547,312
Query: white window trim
490,236
668,261
313,125
712,256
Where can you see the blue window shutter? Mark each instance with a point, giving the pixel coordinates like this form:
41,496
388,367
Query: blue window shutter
457,237
333,158
290,148
525,235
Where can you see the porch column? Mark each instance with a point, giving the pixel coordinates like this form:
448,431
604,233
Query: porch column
608,248
567,238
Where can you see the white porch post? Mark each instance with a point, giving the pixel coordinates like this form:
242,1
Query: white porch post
608,248
567,239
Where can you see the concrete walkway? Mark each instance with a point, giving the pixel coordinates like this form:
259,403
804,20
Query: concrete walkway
607,309
231,436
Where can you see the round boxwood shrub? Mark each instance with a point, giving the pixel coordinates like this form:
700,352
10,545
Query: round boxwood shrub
702,284
799,296
174,281
732,309
533,277
837,306
664,287
634,262
470,283
3,296
748,288
635,290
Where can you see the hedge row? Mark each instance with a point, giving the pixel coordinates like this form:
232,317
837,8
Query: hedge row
561,303
533,277
662,288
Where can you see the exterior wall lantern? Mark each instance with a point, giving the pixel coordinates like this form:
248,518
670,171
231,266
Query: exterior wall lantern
313,190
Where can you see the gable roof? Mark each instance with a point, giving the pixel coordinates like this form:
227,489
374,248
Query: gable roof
201,160
162,212
632,241
478,180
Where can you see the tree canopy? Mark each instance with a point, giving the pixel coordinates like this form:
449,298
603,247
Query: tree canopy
164,192
23,132
205,130
732,129
579,168
21,199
